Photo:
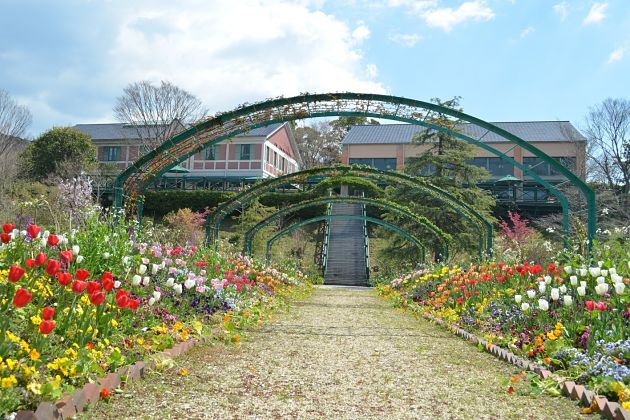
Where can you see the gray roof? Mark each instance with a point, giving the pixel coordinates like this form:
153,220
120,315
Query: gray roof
120,131
531,131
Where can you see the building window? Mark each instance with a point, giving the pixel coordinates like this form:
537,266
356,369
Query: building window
542,168
268,154
212,152
243,152
111,153
275,159
384,164
495,165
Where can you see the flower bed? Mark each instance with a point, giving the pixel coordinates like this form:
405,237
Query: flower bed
76,306
576,321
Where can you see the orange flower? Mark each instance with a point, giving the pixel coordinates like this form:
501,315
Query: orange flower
514,378
510,390
547,360
105,394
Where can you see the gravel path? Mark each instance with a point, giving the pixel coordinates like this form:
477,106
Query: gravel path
340,354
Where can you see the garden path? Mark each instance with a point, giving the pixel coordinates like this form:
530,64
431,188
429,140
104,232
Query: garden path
342,353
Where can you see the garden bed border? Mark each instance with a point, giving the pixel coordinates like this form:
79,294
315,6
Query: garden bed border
609,409
75,403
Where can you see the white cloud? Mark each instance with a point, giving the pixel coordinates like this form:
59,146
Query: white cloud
616,55
406,40
596,15
371,71
446,18
241,51
525,32
562,10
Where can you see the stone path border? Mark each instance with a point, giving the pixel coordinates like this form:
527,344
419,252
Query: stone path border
609,409
70,405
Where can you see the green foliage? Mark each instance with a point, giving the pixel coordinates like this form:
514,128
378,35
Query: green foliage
58,149
160,203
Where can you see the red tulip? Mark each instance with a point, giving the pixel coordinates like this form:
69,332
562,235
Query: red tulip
97,298
7,228
78,286
122,300
82,274
40,259
460,300
5,238
48,313
93,286
33,230
30,263
134,303
66,256
53,240
108,284
64,278
46,327
52,267
600,306
590,305
15,273
22,298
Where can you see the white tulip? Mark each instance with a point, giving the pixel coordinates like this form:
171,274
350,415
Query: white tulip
542,287
46,234
563,289
543,305
619,288
136,280
555,293
80,259
75,249
604,273
568,300
581,291
583,272
117,284
178,289
595,271
574,280
518,298
601,289
170,282
583,284
155,268
548,279
146,280
157,295
612,271
616,278
568,269
524,306
142,269
600,263
125,260
600,280
43,242
189,283
531,294
151,301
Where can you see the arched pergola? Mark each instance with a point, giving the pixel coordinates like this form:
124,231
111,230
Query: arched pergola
214,220
383,204
213,130
387,225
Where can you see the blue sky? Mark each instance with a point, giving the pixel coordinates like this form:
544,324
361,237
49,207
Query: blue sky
510,60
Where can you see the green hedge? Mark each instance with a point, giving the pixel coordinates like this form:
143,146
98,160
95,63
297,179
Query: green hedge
160,203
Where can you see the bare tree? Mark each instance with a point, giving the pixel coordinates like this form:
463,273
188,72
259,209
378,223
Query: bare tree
608,131
157,112
317,145
14,120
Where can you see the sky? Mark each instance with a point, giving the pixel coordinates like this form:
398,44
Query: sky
509,60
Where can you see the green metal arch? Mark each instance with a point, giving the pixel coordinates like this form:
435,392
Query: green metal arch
401,210
379,222
443,196
223,126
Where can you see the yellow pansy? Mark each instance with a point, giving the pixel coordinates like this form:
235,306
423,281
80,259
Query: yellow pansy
36,320
8,383
34,387
34,354
11,364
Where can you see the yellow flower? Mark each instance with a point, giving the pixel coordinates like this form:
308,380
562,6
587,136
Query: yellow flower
11,363
183,371
34,387
178,326
34,354
551,335
12,337
36,320
140,341
8,383
25,346
114,323
72,353
185,335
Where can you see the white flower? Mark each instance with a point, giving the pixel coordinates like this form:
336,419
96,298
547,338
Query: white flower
595,271
145,260
581,291
43,242
543,305
563,289
524,306
531,293
178,289
106,255
157,295
155,268
75,249
583,284
604,273
601,289
117,284
574,280
568,269
146,280
136,280
619,288
125,260
548,279
80,259
600,280
600,264
142,269
555,293
582,272
605,211
616,278
151,301
550,230
518,298
612,271
542,287
189,283
170,282
568,300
